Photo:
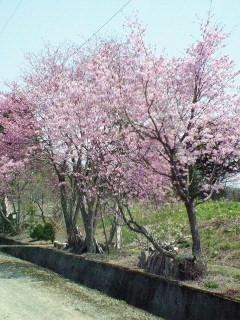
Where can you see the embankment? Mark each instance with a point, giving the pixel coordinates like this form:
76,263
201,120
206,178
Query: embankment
166,298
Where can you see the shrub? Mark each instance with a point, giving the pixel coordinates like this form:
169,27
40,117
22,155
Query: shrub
43,232
37,232
48,232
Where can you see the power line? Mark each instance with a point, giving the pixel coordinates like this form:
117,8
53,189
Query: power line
89,38
11,17
107,22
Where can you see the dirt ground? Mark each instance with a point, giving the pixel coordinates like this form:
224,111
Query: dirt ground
30,292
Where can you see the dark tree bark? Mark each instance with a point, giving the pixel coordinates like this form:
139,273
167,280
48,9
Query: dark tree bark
40,204
104,231
75,202
3,214
88,210
74,240
90,236
133,225
112,231
196,243
70,209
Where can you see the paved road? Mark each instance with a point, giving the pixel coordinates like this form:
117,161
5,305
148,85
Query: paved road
28,292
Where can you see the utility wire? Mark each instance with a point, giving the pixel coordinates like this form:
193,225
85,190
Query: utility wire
104,25
89,38
10,17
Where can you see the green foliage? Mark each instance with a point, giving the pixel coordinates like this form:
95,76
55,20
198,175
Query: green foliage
218,223
31,211
37,232
48,232
237,277
5,227
183,243
211,285
43,232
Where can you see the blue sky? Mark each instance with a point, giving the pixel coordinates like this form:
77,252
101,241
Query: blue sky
171,25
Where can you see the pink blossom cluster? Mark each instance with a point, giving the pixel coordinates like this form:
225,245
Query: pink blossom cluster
120,118
17,133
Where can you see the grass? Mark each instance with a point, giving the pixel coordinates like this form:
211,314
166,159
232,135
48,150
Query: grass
221,279
219,227
211,285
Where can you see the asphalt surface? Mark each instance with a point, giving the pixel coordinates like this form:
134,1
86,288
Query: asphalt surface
28,292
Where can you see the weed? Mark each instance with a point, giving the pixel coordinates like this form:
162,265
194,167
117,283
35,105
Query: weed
211,285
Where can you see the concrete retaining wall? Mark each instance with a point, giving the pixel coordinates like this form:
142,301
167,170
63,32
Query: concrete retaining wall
7,241
166,298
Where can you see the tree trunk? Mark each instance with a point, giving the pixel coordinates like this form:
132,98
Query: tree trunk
104,231
112,232
18,214
119,236
196,244
74,240
73,236
3,214
118,230
90,233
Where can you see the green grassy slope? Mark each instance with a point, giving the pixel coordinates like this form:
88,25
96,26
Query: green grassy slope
219,225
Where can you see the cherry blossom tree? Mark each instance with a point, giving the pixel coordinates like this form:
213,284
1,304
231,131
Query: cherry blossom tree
125,176
130,181
65,89
120,119
187,110
17,143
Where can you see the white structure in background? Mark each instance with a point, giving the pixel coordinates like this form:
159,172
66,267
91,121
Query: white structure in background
233,182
